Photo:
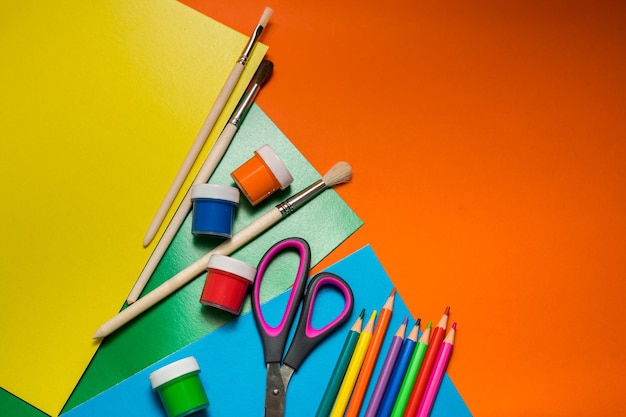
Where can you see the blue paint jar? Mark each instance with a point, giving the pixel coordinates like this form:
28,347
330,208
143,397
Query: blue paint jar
214,208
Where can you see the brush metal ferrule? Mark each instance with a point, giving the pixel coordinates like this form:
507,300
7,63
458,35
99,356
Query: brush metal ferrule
244,104
247,51
293,203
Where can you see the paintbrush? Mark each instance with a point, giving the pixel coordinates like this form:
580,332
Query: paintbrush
261,75
340,173
206,128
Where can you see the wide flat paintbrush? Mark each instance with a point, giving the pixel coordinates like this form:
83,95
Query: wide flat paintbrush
338,174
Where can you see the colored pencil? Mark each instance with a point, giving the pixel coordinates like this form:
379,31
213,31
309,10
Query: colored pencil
387,369
326,403
411,373
261,75
436,338
207,126
339,173
434,382
402,363
347,385
370,358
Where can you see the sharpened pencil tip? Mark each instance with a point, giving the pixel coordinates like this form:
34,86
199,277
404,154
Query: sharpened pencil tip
454,325
362,313
369,326
447,312
430,324
373,315
405,321
418,322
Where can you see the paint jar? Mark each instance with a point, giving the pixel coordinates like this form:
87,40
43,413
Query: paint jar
261,175
179,387
214,208
226,283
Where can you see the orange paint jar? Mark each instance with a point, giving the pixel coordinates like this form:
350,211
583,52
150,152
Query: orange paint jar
262,175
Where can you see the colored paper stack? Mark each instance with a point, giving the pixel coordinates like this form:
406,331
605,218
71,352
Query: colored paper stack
104,101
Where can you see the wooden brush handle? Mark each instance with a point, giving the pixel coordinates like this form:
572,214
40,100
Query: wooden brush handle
248,233
205,172
193,153
185,276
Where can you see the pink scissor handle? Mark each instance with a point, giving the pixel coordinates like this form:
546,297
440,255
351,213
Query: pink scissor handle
306,337
316,283
275,337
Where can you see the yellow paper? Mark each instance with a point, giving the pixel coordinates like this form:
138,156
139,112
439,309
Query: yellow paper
100,102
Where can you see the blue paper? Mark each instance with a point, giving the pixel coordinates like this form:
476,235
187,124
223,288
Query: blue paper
232,367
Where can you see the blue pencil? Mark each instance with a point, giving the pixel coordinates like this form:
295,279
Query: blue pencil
393,387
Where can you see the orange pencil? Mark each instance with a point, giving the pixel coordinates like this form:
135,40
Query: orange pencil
370,357
436,338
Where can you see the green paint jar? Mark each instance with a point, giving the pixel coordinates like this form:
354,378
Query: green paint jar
179,387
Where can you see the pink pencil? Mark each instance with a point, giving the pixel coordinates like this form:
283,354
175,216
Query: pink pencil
437,374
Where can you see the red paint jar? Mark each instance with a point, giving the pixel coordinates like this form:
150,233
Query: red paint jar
227,283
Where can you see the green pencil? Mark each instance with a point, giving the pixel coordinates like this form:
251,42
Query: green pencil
328,399
411,373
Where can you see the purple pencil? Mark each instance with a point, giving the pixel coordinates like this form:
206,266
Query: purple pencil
385,373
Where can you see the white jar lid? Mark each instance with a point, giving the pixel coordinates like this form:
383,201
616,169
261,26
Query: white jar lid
233,266
279,169
173,371
216,191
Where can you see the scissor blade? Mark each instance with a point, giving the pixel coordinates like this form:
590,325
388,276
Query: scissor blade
286,372
274,391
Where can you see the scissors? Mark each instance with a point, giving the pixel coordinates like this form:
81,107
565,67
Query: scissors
306,337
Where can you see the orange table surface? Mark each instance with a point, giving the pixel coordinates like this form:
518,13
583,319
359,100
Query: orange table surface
487,140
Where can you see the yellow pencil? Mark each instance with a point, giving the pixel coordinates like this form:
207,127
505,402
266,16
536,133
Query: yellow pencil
347,385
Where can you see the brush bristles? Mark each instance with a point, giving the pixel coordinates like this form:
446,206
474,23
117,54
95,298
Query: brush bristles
266,16
263,72
340,173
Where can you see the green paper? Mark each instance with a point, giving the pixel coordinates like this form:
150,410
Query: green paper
324,222
10,405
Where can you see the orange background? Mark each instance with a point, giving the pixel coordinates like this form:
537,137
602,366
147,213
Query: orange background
487,143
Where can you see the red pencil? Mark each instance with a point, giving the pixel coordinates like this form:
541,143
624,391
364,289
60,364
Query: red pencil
430,393
436,338
370,358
